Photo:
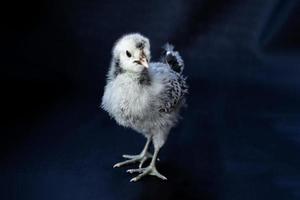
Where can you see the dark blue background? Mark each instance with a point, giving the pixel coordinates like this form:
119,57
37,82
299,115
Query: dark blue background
240,136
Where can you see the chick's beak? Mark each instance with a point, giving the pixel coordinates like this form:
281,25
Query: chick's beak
144,62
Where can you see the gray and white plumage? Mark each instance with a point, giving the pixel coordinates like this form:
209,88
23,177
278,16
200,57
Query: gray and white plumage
145,96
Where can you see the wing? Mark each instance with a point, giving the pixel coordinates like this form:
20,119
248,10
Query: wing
173,94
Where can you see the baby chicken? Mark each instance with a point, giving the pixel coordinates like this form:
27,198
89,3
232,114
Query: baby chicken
145,96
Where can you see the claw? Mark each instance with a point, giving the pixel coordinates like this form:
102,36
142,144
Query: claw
133,179
116,165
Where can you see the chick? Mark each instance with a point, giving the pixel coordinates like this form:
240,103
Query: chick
145,96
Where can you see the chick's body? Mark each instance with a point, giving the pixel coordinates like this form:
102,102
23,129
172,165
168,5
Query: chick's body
146,99
137,105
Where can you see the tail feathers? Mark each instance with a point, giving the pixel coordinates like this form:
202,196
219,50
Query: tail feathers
172,58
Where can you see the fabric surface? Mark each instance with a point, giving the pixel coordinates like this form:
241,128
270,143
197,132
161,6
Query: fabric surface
239,138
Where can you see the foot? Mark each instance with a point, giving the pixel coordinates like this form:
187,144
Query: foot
150,170
142,157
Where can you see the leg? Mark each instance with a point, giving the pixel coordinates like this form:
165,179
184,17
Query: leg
142,157
151,169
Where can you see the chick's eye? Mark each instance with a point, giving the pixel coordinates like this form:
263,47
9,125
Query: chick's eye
128,54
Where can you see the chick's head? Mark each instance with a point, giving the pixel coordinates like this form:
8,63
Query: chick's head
133,52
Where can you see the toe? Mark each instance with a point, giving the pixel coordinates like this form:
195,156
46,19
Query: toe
134,170
161,177
154,172
144,171
142,162
129,156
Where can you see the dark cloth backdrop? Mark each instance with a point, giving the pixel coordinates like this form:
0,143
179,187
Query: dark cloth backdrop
239,138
